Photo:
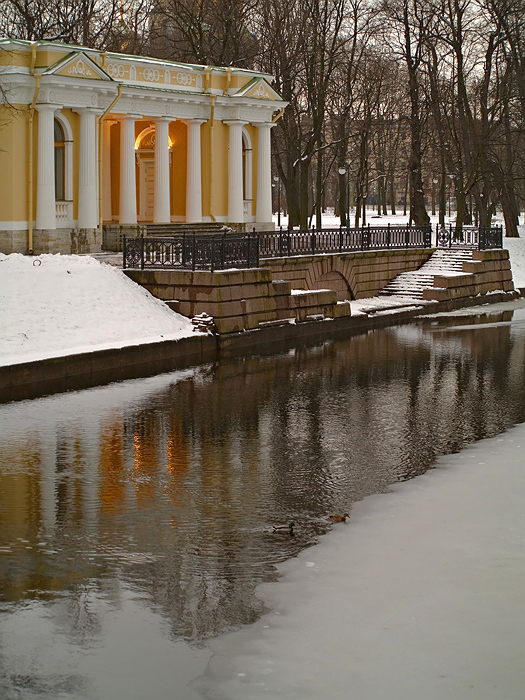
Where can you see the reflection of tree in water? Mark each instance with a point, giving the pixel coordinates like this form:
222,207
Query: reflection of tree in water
178,498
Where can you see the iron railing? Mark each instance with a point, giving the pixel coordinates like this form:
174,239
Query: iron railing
474,237
242,250
192,252
281,243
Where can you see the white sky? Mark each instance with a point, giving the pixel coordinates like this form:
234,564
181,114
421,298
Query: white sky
53,305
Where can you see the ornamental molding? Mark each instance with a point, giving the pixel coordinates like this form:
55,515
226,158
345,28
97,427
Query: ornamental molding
246,114
69,98
164,107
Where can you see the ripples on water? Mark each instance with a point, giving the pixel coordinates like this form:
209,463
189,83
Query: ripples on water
169,487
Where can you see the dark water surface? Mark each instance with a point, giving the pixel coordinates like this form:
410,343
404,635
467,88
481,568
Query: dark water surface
140,514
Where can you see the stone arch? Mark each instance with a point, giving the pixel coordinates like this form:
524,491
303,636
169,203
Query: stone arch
331,272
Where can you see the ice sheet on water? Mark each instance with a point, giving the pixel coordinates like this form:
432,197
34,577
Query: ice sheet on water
419,595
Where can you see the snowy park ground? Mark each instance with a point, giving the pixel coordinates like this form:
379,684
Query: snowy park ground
55,305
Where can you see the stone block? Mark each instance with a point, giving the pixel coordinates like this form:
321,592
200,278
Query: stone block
341,309
453,281
281,287
497,254
260,304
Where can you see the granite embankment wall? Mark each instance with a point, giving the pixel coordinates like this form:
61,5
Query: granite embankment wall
354,275
250,300
240,300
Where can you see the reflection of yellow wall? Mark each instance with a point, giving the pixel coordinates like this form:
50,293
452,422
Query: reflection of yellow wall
112,489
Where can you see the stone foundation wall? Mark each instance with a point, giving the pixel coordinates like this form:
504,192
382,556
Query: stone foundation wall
13,242
68,241
112,235
352,275
238,299
488,272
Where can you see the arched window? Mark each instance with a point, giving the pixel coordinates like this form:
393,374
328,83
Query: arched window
60,162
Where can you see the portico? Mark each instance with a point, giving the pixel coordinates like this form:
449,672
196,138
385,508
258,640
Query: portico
106,140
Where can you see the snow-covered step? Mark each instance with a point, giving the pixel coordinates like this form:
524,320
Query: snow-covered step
411,284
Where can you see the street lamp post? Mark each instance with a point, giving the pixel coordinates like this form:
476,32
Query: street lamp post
434,183
278,185
343,197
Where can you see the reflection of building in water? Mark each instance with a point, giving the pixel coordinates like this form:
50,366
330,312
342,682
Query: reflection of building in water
172,490
112,473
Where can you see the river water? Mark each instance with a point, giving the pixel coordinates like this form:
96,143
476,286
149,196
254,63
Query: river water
136,519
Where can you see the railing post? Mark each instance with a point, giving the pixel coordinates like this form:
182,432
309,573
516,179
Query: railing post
288,240
123,252
193,253
223,251
388,235
407,236
142,252
340,240
312,241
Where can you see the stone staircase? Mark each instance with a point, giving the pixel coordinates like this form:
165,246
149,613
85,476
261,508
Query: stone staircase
442,261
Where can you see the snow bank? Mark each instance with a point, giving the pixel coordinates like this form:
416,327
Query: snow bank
54,305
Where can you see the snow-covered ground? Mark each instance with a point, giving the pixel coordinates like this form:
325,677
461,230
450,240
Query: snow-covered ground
55,305
420,595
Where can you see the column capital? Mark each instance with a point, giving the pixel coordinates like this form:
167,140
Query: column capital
194,121
235,122
261,125
87,110
162,120
46,107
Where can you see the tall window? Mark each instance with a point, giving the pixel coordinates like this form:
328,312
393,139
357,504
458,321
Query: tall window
60,163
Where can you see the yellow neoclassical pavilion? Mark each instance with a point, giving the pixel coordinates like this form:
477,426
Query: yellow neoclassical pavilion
93,143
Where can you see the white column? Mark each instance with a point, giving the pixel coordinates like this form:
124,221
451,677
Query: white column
193,172
45,188
107,213
235,183
87,171
128,178
263,211
161,197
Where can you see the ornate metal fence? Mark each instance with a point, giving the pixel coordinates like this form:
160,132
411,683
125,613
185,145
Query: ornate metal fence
482,238
192,252
274,244
236,250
